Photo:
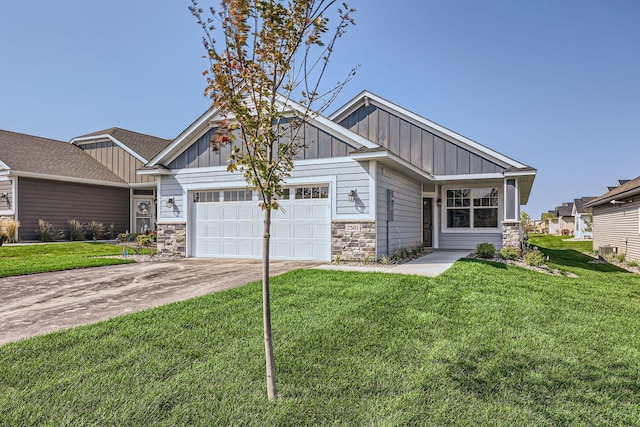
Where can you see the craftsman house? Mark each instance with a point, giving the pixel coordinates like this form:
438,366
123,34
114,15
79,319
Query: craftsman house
371,178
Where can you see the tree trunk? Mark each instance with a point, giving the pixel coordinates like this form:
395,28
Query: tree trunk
266,309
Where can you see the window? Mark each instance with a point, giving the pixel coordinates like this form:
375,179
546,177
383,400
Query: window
312,192
229,196
472,208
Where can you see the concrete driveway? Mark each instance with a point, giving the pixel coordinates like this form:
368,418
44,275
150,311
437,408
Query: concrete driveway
39,303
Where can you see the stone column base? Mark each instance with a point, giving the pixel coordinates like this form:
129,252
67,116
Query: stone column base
172,238
511,234
353,240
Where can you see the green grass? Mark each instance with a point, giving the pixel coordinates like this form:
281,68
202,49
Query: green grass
482,344
38,258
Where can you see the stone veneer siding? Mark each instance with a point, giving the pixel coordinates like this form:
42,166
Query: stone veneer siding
350,245
172,238
511,234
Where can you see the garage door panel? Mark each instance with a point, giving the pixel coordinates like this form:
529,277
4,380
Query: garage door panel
300,230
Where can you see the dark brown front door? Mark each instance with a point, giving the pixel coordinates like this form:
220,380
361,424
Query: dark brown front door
427,222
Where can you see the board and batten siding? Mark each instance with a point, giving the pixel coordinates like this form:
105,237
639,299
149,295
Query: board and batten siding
416,144
612,224
116,159
58,202
317,144
6,187
405,230
348,175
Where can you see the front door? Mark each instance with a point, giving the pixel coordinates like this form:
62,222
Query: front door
427,222
144,211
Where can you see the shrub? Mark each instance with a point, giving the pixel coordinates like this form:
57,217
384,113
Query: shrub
401,254
11,229
76,230
94,230
385,260
3,238
47,232
534,258
633,264
510,253
111,231
621,257
485,250
144,240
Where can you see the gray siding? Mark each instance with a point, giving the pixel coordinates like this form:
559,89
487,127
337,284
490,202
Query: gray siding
6,187
613,223
469,240
117,160
510,209
317,144
406,228
415,144
57,202
349,176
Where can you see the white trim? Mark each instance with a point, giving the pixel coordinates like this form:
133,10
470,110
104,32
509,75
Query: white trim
519,173
100,138
389,155
69,179
373,187
153,172
413,117
516,200
467,177
638,221
4,165
138,185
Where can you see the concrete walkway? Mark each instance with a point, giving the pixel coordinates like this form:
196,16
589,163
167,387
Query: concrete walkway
431,265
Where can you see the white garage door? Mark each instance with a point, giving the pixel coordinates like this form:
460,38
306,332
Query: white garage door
229,224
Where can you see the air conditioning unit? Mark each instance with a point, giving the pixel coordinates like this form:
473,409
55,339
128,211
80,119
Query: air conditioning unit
604,251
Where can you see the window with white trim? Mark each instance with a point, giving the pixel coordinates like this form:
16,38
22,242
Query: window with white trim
472,208
312,192
229,196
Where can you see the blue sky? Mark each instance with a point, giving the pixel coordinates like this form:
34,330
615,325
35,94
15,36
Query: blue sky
552,84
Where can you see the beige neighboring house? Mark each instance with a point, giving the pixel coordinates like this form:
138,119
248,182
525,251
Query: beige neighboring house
616,219
92,177
565,222
583,219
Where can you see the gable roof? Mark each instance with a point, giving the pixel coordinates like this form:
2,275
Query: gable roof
37,157
145,146
365,98
566,209
208,119
626,190
578,204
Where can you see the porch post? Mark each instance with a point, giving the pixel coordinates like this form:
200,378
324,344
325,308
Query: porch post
511,229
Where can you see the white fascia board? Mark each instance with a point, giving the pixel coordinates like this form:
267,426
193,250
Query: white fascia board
473,146
388,155
4,165
153,172
98,138
468,177
70,179
5,173
519,173
143,185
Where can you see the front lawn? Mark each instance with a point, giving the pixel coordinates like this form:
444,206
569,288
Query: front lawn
482,344
38,258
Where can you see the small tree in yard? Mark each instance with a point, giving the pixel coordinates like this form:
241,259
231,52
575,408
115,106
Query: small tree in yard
265,79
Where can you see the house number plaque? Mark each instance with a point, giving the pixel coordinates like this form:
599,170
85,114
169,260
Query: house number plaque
352,227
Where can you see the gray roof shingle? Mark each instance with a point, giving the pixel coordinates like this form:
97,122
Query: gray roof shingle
145,145
627,189
34,154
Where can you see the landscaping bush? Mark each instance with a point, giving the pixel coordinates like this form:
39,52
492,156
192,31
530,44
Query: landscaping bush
76,230
3,238
94,230
47,232
111,231
145,239
621,257
535,258
510,253
486,250
11,229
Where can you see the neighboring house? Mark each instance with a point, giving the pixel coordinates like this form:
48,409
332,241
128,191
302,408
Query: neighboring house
124,152
616,219
92,178
565,220
371,178
583,221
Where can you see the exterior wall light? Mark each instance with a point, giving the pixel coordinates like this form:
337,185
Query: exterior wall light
439,202
170,202
353,194
3,197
